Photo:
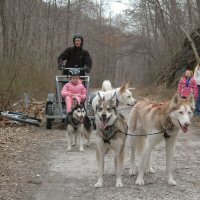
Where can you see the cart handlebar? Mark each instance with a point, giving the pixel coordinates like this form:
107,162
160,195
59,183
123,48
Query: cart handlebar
80,68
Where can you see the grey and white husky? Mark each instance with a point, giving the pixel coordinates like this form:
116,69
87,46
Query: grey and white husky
78,125
111,134
122,94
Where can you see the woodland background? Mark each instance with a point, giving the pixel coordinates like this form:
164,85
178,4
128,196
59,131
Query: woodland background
151,43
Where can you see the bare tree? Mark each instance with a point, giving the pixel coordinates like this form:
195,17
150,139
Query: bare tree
198,8
5,24
68,22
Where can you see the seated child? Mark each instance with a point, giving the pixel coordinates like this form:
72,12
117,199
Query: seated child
74,89
187,84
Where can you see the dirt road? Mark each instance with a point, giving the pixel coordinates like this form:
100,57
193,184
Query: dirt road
72,175
36,166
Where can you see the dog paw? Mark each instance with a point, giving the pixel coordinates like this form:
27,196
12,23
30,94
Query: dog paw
114,172
150,171
139,181
74,144
132,172
69,149
81,150
98,184
171,181
119,184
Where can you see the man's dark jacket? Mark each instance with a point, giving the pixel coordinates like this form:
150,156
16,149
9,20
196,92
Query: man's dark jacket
76,57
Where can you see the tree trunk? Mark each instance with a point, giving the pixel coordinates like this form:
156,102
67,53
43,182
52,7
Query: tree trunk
189,10
198,8
68,22
192,44
4,23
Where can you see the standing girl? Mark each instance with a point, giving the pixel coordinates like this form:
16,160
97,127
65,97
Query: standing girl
187,84
197,79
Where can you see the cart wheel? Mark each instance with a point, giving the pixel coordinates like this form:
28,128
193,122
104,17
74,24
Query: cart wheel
49,123
63,120
49,108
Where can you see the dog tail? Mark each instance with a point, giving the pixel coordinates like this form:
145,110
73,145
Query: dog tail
106,86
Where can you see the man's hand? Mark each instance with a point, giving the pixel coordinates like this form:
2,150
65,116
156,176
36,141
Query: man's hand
61,66
87,69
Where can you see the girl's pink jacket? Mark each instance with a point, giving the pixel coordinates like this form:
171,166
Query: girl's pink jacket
184,91
70,89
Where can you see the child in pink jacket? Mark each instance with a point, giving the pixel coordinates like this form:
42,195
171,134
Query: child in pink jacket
187,84
74,89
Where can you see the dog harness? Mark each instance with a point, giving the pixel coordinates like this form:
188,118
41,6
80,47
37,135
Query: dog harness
109,132
73,122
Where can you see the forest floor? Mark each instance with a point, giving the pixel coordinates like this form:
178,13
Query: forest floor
36,166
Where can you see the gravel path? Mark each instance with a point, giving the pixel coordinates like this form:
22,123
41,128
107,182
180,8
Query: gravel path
72,175
36,166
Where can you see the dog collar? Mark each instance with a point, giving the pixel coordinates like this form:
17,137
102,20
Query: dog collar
170,127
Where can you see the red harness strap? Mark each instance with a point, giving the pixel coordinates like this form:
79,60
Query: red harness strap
155,105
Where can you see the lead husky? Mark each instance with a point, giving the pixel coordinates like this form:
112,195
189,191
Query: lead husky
111,134
149,117
123,95
78,125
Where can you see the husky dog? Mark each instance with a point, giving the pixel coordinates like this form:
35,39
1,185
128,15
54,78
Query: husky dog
167,118
123,95
78,124
111,134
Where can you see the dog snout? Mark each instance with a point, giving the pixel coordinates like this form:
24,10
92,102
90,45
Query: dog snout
132,103
186,124
103,116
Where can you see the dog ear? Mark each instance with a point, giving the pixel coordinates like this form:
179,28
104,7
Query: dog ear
100,98
122,88
175,100
74,103
98,105
114,96
114,101
190,98
82,103
127,85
